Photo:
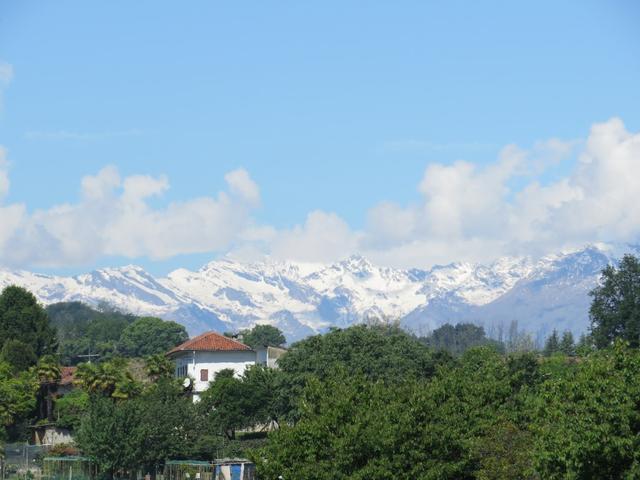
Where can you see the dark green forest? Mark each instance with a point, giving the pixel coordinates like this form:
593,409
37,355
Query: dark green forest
366,402
107,333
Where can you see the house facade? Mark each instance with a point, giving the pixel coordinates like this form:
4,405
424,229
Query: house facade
201,357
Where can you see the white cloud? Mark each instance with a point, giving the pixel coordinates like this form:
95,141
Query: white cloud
6,73
11,215
465,212
322,238
113,217
4,173
477,213
241,184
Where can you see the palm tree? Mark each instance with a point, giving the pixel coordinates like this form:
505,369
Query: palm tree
158,366
111,379
98,378
49,373
126,387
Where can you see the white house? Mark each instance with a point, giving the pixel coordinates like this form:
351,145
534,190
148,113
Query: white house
201,357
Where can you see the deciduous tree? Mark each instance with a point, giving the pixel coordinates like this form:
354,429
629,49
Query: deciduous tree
615,308
150,335
263,336
23,318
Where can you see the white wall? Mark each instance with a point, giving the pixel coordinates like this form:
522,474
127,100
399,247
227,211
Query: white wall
213,362
268,356
53,436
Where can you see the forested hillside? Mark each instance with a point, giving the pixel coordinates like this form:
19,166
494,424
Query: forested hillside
107,333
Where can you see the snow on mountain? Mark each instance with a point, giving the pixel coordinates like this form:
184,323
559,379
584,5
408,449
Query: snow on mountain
303,299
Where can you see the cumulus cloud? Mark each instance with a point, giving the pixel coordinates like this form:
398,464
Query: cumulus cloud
477,213
113,217
242,185
4,173
517,204
323,237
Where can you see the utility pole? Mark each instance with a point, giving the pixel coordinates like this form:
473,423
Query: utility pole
89,355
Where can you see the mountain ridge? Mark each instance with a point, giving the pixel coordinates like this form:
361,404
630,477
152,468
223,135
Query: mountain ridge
302,299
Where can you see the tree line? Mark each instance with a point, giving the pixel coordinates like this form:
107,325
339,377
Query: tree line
108,333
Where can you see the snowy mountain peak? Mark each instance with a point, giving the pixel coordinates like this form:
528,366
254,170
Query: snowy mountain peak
356,265
300,298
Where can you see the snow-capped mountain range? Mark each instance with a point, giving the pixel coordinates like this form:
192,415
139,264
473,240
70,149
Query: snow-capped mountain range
302,299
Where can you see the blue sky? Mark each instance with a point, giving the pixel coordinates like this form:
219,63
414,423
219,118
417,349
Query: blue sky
331,107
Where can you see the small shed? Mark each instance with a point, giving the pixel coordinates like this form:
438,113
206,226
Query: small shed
235,469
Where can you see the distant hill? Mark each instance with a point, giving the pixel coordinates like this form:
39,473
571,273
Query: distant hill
302,299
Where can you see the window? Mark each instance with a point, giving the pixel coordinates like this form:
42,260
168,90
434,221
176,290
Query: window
204,375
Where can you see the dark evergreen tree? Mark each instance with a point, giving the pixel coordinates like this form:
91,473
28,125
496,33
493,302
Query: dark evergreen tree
23,318
567,345
552,344
457,339
18,354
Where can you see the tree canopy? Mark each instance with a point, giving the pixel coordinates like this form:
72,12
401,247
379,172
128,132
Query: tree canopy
457,339
18,354
22,318
615,307
17,395
150,336
263,336
377,352
85,330
109,333
352,427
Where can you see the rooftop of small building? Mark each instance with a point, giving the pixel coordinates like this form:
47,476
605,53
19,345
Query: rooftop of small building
210,342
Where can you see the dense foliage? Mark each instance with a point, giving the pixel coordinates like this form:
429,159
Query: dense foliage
140,433
377,352
19,355
588,426
263,336
615,309
108,333
150,336
23,319
457,339
233,403
17,396
555,344
351,427
35,342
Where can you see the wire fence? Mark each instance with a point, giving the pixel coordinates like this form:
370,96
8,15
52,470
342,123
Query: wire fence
30,462
22,461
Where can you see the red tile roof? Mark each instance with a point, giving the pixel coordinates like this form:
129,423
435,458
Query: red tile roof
67,375
211,342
